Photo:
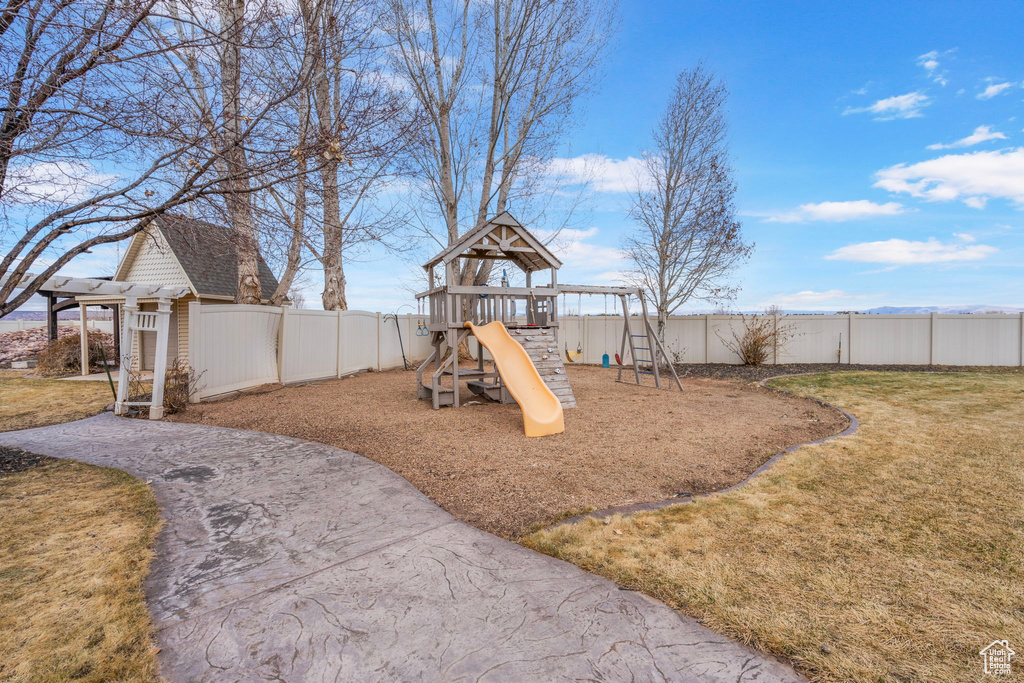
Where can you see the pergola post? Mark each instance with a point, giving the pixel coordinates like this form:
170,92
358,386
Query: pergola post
163,326
84,339
51,316
131,307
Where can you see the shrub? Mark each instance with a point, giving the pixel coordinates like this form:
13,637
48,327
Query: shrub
180,382
761,338
63,355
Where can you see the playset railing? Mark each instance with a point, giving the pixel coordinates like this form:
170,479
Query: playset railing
450,307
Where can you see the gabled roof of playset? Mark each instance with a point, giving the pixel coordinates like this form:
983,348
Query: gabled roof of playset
204,251
503,238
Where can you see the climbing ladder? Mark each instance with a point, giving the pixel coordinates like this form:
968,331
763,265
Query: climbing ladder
651,346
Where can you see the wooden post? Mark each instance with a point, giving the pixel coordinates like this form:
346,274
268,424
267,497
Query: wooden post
116,312
131,308
84,337
51,316
163,328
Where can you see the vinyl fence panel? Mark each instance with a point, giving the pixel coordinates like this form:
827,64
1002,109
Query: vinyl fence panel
359,341
233,347
236,347
309,345
977,340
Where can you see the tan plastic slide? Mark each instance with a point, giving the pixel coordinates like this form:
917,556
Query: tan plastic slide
542,411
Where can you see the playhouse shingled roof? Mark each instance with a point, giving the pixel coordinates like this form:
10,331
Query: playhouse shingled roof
207,254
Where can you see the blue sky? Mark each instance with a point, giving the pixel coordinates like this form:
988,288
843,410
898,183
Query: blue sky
838,108
879,150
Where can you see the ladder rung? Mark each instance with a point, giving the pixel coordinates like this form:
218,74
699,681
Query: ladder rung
642,348
639,335
645,372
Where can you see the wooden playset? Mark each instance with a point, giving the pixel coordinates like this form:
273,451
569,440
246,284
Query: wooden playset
528,315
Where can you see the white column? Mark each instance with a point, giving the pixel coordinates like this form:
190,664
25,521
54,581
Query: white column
163,332
84,337
130,308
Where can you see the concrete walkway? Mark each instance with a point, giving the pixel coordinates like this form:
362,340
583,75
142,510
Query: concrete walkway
283,559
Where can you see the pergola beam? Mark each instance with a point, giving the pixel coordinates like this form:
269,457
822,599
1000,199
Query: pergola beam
92,287
131,291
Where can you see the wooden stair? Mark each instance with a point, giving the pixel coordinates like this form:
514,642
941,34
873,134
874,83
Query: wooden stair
542,347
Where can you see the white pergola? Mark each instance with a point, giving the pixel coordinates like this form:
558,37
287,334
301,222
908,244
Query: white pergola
134,321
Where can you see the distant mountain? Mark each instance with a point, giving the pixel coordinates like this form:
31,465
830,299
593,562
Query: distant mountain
978,308
61,315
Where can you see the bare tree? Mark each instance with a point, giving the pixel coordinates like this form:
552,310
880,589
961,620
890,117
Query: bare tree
497,82
223,58
687,241
90,149
362,127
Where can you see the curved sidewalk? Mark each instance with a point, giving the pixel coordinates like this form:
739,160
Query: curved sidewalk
284,559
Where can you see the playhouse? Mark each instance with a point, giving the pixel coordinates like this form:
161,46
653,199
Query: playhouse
518,326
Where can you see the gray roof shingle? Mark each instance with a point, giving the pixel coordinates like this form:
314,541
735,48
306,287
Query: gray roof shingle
207,253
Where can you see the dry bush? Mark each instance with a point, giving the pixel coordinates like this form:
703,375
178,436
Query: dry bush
64,355
180,382
761,339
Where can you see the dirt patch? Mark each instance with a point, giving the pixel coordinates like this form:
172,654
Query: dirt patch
622,444
16,460
751,373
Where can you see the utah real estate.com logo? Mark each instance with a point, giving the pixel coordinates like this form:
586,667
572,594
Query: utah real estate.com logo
996,657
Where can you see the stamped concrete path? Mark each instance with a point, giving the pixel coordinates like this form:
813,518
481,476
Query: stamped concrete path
283,559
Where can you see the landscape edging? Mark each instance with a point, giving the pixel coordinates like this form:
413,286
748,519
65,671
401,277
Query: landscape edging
657,505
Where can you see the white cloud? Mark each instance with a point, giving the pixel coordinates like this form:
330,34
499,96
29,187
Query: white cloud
838,211
972,178
602,173
56,181
906,252
993,89
575,250
929,61
965,236
980,134
897,107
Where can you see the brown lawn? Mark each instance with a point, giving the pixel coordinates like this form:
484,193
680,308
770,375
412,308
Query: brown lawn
893,554
74,549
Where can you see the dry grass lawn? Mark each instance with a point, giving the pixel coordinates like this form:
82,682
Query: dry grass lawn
622,444
894,554
74,548
27,403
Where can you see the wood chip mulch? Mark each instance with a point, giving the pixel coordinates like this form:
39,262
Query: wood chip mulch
623,444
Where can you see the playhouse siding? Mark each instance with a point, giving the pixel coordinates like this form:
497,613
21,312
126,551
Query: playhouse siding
153,262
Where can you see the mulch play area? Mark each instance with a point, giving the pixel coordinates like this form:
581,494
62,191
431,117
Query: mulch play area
622,444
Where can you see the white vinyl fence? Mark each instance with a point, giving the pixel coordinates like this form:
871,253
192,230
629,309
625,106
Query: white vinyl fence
16,325
935,339
235,347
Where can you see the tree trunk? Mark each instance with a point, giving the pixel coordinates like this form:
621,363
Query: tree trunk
237,197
